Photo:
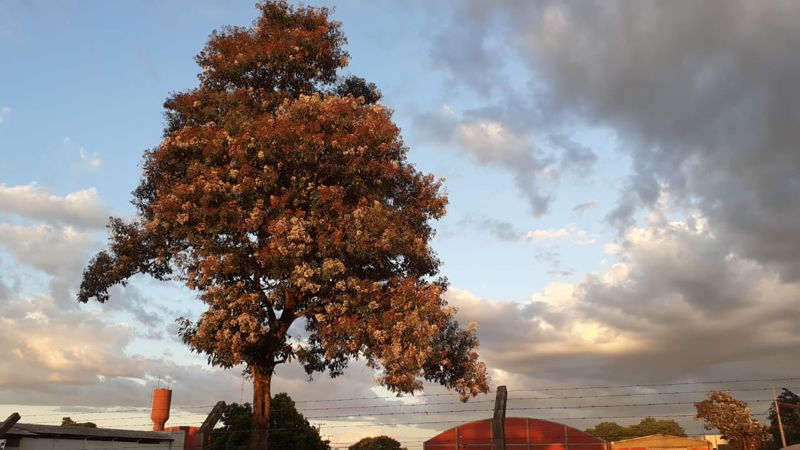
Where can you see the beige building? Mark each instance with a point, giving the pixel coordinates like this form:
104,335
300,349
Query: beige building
661,442
716,440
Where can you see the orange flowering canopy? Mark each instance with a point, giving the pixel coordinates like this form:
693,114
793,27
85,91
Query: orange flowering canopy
281,192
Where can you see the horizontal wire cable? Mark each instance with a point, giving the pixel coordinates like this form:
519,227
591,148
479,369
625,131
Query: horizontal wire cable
181,408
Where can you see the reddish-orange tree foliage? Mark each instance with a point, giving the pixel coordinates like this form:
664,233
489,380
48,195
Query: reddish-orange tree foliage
280,194
733,420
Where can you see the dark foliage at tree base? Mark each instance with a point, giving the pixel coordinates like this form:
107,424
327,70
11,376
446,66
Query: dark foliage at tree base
288,429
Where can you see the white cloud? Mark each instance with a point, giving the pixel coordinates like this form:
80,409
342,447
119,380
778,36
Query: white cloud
58,252
500,142
92,161
491,141
5,113
673,286
571,234
51,249
81,208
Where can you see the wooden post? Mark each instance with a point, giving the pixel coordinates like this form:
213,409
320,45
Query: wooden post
209,424
5,426
499,420
778,413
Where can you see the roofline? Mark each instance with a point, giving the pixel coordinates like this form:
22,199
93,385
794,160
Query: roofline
600,441
42,431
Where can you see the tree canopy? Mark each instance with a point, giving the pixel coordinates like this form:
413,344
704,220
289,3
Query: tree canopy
68,422
281,192
290,429
790,417
612,431
733,419
376,443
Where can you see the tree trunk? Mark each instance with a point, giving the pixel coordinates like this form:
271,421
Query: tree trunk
259,430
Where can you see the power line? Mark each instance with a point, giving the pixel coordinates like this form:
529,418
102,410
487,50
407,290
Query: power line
181,407
688,383
398,413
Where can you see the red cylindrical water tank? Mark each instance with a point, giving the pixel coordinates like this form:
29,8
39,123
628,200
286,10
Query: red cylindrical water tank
159,410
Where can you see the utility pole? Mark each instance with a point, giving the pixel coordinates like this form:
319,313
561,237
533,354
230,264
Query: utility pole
499,420
778,413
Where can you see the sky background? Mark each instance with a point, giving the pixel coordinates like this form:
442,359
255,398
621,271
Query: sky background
623,180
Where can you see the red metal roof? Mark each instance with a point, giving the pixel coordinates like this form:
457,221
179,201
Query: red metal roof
521,433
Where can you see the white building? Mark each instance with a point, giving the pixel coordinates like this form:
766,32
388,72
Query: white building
24,436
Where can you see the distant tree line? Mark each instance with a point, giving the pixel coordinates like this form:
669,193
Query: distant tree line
612,431
68,422
733,419
720,411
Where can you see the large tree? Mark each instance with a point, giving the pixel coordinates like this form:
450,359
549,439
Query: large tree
721,411
280,193
790,418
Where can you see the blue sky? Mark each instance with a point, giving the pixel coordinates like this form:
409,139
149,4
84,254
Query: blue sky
603,200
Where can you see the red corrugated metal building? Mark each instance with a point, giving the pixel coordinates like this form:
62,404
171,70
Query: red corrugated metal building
521,433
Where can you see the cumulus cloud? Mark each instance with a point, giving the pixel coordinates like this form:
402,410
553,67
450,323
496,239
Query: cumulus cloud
48,346
58,351
494,141
676,304
58,252
79,357
81,208
701,94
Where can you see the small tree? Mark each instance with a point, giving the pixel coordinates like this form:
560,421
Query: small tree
290,430
376,443
279,196
68,422
733,420
790,417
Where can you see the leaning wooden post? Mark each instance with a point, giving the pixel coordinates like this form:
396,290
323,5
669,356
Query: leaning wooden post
499,420
5,426
208,425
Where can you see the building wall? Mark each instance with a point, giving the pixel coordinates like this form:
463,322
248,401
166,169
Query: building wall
715,440
80,444
661,442
185,437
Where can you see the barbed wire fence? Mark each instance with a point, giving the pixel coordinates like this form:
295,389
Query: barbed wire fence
428,414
